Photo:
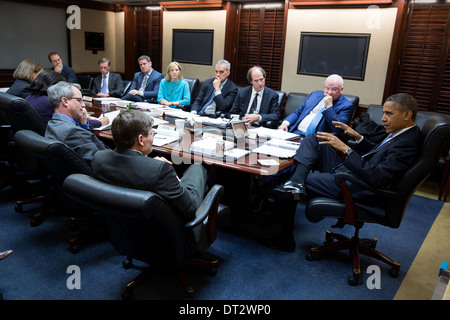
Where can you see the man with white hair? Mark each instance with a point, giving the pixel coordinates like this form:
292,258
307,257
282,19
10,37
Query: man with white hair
320,109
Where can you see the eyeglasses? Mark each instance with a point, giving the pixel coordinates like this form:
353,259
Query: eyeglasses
80,100
334,89
153,133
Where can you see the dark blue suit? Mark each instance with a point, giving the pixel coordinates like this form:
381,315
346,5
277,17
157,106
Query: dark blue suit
151,88
68,73
341,111
379,169
269,110
224,101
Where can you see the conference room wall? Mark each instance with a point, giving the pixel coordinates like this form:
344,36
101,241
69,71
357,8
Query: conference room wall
208,19
379,24
112,24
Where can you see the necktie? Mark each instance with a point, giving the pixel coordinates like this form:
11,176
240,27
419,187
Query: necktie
202,111
379,146
144,83
254,104
314,122
104,85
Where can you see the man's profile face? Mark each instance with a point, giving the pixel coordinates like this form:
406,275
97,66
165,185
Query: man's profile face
393,118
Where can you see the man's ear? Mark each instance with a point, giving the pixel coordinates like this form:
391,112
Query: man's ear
140,140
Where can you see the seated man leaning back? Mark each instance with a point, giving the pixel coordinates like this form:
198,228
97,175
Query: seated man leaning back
130,166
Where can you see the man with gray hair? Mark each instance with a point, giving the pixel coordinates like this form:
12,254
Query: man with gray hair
69,121
320,109
217,93
145,84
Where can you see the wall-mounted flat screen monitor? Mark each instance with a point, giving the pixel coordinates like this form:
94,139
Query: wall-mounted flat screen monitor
193,46
322,54
94,41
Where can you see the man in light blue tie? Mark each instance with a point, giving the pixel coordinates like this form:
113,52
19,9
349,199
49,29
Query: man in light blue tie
320,109
107,84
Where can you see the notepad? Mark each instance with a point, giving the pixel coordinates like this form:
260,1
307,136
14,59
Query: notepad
111,116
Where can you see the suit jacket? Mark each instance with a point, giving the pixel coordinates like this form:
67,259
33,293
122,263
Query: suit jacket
133,170
82,141
152,86
269,110
380,169
115,85
20,88
389,162
68,73
224,101
341,111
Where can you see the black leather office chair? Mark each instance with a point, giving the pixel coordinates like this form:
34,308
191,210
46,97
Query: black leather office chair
193,87
61,161
22,116
143,226
126,86
388,211
85,81
355,103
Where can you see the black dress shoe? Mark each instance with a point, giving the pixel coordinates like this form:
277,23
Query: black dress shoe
290,190
276,242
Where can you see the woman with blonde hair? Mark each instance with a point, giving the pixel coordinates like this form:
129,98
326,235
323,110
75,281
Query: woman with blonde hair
24,75
173,90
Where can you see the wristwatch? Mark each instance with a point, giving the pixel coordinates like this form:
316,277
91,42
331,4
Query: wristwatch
348,152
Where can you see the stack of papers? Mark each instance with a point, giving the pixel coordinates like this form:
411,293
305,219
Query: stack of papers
263,132
111,116
165,135
207,146
278,148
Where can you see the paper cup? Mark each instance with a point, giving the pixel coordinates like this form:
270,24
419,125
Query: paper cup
179,125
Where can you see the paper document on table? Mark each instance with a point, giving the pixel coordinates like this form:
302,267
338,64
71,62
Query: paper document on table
263,132
158,121
219,122
164,136
207,146
274,150
105,99
235,154
146,106
291,145
111,116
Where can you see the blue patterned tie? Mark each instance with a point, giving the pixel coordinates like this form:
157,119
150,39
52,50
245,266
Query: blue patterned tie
104,85
314,122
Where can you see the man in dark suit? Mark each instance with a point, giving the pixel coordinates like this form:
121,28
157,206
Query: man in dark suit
69,122
145,84
217,93
58,66
129,165
256,103
320,109
108,84
319,158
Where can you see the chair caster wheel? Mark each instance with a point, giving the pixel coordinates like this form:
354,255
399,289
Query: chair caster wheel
310,257
394,273
354,280
74,249
127,295
127,264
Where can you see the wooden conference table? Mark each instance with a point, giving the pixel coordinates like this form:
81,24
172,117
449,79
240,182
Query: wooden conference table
236,176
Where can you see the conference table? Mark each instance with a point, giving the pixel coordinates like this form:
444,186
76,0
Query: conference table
237,176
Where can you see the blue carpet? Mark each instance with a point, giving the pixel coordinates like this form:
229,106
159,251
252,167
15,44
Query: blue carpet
37,270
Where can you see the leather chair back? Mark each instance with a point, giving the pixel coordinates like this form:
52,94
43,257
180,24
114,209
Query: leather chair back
293,102
193,87
355,103
20,114
59,159
141,224
86,82
126,86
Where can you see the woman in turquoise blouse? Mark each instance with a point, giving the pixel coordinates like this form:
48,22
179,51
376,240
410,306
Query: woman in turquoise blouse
173,90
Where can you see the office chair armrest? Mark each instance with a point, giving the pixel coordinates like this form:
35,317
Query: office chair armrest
208,206
347,176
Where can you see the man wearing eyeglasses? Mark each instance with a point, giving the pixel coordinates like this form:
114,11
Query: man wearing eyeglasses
69,122
320,109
